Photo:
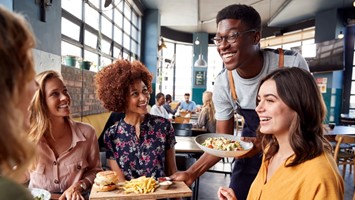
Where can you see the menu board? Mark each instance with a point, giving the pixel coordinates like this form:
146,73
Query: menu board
200,78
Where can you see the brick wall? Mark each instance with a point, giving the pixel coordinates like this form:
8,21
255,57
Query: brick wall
81,87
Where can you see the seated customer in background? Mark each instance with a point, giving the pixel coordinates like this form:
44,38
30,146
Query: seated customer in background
297,161
187,105
158,108
206,117
68,152
141,144
17,85
167,106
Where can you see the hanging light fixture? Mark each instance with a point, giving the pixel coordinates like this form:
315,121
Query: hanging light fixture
341,35
200,62
161,44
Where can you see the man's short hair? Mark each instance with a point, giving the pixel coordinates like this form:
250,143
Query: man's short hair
159,95
187,94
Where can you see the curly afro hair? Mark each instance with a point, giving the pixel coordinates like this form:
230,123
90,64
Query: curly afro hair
113,82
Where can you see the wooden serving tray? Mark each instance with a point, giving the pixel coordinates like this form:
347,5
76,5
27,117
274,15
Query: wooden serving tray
177,189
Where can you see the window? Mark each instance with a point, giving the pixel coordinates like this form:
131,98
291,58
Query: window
104,34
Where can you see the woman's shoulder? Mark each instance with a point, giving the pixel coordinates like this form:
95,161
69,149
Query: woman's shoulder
11,190
85,128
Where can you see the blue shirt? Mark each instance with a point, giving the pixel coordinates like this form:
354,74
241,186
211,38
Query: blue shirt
191,106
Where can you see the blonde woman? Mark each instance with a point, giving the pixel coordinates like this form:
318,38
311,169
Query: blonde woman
206,118
17,85
68,152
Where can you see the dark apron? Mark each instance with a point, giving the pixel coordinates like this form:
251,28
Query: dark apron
245,169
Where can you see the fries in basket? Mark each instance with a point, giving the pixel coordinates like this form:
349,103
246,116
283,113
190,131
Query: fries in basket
141,185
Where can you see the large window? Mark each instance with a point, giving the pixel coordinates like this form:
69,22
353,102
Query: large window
352,91
98,34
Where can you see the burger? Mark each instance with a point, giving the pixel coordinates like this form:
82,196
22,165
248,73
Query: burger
105,181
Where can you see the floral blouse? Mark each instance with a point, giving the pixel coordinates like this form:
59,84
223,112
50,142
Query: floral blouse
143,156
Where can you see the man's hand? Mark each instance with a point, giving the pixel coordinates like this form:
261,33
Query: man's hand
183,176
256,146
72,193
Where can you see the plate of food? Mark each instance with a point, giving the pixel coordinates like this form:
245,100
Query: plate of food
40,194
223,145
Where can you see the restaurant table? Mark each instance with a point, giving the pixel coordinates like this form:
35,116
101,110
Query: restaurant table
340,130
198,131
186,145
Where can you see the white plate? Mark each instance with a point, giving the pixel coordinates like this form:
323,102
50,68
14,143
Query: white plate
247,146
37,192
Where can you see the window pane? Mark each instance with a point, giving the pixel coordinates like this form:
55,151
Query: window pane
120,5
118,35
69,49
104,62
127,26
90,39
126,56
95,3
117,53
352,87
352,101
92,57
134,33
127,11
289,45
106,27
105,46
134,47
73,7
134,19
183,74
215,65
108,10
91,17
70,29
118,19
126,41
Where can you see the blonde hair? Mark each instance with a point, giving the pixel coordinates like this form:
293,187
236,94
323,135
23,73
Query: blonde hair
40,123
16,71
39,113
208,104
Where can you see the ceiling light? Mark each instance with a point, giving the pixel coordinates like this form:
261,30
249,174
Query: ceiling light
200,62
197,42
341,35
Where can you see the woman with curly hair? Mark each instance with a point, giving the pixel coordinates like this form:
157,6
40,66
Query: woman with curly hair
17,85
68,151
297,161
206,117
140,144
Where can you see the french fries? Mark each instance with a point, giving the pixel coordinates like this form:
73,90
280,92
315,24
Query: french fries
141,185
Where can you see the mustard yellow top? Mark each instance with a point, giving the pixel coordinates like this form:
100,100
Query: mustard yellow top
318,178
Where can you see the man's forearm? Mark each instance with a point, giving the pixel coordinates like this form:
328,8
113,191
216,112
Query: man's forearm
205,162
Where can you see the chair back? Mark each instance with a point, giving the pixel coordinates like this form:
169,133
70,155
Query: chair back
343,142
182,129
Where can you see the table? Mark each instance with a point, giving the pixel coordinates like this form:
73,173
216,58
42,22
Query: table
340,130
186,145
198,131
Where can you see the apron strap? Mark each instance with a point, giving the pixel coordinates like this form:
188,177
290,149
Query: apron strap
281,58
231,85
231,80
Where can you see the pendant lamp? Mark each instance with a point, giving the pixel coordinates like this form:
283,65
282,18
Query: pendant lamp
200,62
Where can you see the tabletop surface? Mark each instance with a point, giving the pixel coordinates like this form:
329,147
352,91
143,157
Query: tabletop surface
340,130
186,145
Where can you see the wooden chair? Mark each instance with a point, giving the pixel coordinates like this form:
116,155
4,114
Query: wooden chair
344,154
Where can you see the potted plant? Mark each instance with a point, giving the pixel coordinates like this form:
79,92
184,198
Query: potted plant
70,60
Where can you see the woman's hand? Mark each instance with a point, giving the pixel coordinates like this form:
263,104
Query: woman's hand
226,194
72,193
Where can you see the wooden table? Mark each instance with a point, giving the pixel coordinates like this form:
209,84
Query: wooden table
186,145
177,189
340,130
